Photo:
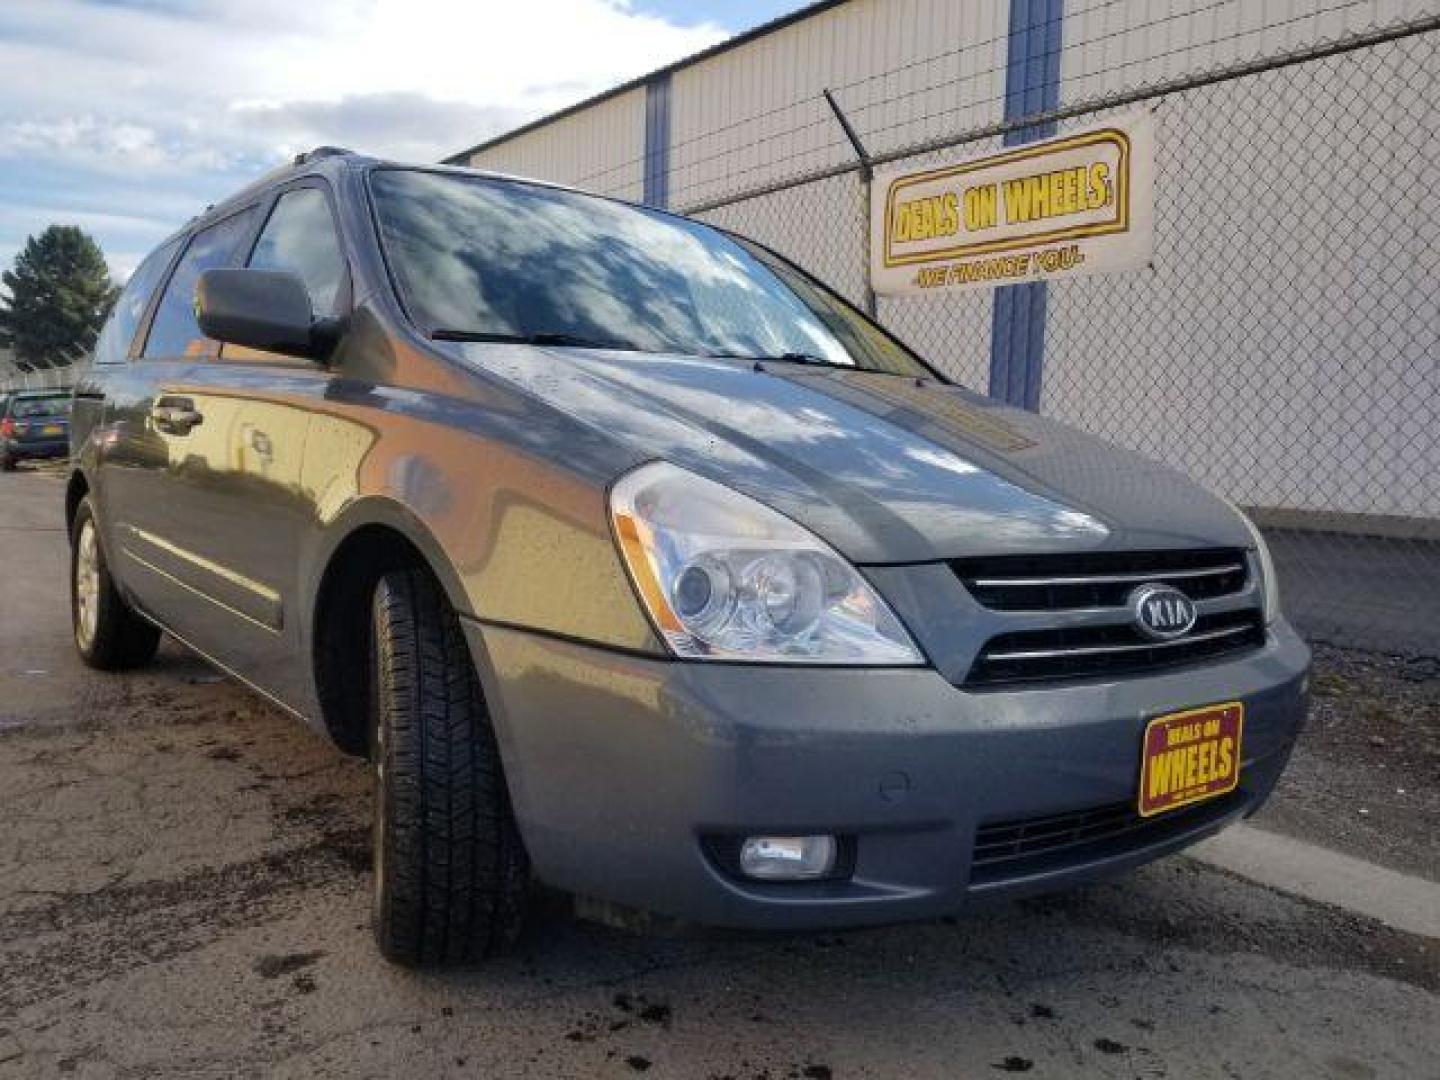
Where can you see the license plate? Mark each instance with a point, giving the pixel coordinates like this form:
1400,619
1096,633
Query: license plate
1191,755
52,429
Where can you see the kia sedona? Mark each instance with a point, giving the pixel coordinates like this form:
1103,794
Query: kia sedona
34,424
640,564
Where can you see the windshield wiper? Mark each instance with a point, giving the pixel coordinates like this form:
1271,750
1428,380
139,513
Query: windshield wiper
579,341
542,337
787,358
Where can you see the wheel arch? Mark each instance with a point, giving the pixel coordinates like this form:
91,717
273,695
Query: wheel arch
369,540
76,489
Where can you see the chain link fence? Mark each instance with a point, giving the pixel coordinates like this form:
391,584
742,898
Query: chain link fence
59,373
54,378
1283,348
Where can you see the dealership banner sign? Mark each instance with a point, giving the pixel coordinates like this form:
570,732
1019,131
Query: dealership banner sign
1082,203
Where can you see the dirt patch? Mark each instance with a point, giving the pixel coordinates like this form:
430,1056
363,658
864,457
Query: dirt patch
80,939
144,832
1365,777
272,966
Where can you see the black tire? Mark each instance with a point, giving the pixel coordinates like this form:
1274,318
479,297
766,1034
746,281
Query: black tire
7,463
451,875
117,638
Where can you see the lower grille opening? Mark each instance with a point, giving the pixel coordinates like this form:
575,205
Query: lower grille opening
1113,649
1009,850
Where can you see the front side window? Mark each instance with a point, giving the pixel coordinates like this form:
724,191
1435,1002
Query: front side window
113,344
174,331
300,237
488,258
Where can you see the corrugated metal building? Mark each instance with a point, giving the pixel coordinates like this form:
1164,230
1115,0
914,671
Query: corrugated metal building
1283,347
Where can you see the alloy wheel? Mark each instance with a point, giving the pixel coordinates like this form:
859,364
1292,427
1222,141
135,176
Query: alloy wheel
87,585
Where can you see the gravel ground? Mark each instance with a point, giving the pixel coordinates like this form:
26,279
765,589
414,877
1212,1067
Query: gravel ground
1365,777
184,892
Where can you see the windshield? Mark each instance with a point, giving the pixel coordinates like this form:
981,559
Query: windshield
24,408
480,257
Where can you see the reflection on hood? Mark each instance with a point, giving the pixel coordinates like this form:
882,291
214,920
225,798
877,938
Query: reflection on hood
884,469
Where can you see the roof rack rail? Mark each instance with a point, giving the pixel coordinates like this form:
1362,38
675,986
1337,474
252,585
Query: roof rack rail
321,152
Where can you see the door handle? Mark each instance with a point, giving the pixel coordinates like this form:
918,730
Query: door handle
175,415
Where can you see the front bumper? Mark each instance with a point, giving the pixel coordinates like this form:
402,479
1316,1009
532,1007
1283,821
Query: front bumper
619,765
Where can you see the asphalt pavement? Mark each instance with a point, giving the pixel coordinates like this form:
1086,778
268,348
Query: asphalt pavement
184,892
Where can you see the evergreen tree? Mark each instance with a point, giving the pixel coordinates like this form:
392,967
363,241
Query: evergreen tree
59,294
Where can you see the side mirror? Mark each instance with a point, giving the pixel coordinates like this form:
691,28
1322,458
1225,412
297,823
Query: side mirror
261,309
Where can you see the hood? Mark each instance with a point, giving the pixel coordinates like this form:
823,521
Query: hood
885,469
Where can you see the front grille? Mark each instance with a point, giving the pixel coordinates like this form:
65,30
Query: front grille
1080,652
1009,850
1098,579
1096,637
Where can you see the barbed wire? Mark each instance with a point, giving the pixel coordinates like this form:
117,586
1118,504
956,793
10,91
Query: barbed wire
1092,104
1148,59
815,103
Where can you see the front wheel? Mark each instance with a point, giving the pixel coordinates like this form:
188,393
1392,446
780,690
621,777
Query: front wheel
451,873
108,633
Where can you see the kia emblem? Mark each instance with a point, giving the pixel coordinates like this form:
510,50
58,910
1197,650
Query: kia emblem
1161,612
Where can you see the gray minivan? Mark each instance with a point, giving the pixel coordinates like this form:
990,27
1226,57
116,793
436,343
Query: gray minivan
641,564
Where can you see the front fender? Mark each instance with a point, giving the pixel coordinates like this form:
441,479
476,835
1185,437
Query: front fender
529,556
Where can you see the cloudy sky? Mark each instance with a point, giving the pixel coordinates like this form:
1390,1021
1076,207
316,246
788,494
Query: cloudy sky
126,117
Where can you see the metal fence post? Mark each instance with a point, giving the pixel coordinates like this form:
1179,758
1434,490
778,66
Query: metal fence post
867,176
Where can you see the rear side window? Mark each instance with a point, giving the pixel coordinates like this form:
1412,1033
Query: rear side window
300,237
113,344
174,331
28,408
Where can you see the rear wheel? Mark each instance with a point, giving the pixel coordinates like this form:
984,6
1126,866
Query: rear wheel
451,873
7,463
108,633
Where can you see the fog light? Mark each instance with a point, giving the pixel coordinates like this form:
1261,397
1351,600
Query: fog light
787,858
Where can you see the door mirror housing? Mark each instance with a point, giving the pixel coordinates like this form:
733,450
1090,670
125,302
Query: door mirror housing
261,309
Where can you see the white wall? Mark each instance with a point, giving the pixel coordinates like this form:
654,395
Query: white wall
1285,347
1110,47
601,148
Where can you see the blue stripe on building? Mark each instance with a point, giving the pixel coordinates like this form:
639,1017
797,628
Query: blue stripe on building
657,142
1032,85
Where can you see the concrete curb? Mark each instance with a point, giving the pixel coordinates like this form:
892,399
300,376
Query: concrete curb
1411,904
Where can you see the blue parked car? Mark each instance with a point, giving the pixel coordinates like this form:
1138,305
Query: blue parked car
34,424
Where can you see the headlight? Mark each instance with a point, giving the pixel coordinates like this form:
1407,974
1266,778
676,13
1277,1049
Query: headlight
1268,580
727,578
